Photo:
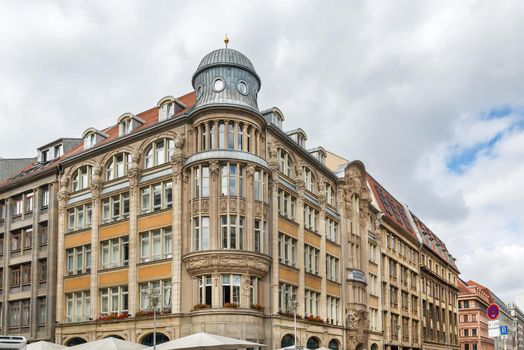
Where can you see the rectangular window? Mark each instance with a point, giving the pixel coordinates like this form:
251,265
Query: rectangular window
156,244
311,255
28,202
287,248
260,229
286,205
114,252
201,233
332,310
230,290
42,270
331,230
159,291
332,268
113,300
232,180
115,208
311,299
79,218
232,231
287,298
78,260
205,291
44,202
310,218
156,197
43,233
2,210
41,310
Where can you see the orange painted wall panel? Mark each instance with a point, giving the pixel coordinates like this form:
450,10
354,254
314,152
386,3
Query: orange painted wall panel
333,289
287,227
77,239
113,278
312,239
154,272
113,231
288,275
332,249
151,222
78,283
312,282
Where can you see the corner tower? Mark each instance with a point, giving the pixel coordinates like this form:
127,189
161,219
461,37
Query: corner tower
226,77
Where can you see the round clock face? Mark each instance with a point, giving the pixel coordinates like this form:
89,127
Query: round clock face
219,85
242,88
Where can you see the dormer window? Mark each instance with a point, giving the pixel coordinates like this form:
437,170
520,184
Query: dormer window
128,122
168,107
299,136
92,136
57,151
89,140
125,127
45,156
319,153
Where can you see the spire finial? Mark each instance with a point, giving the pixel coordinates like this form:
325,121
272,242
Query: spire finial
226,40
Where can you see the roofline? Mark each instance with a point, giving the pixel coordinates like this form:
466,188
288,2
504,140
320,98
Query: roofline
57,140
31,177
303,151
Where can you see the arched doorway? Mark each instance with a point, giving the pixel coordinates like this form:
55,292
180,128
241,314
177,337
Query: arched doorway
360,346
333,344
374,346
287,340
313,343
75,341
148,339
115,336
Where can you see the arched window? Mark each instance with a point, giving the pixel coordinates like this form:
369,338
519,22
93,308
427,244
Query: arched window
374,346
333,344
148,339
287,340
118,166
313,343
159,153
81,178
309,180
284,162
75,341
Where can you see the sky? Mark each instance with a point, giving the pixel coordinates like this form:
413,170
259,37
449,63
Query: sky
428,94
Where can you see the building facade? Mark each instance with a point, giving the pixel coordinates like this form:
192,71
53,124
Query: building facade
518,324
28,240
204,209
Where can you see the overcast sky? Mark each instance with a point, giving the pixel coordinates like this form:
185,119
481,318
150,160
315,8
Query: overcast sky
429,95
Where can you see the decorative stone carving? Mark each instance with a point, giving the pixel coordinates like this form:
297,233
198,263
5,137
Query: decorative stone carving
250,171
204,206
242,206
227,261
223,204
96,182
214,170
233,205
258,209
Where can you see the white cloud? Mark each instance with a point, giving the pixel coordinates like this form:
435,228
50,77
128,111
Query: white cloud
397,84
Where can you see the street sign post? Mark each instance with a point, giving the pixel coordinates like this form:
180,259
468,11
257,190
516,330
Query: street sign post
493,311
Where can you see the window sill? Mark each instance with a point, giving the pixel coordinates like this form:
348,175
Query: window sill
149,213
77,231
289,266
87,273
115,268
287,219
152,262
113,222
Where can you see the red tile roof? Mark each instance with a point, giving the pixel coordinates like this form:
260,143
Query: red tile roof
392,208
149,116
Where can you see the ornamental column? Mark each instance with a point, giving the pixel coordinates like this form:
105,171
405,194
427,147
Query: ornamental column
177,163
133,176
96,187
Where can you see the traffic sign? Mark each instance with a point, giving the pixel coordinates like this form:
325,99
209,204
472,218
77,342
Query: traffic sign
494,324
504,330
493,311
494,332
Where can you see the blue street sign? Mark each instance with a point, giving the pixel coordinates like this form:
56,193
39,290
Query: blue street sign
503,330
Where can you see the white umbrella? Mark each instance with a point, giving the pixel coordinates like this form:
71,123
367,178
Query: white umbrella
44,345
293,347
109,344
206,341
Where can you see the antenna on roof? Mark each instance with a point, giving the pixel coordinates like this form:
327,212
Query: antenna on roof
226,40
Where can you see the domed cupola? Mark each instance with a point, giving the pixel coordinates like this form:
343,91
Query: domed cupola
226,77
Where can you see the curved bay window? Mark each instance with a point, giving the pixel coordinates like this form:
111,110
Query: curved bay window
81,178
200,176
205,290
260,186
117,166
200,233
230,290
232,231
227,135
159,153
232,179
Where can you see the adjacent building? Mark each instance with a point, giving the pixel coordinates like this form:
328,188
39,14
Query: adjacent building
518,322
28,241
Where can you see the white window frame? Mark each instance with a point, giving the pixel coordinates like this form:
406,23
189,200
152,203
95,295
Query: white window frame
232,226
165,235
147,202
117,252
287,247
155,156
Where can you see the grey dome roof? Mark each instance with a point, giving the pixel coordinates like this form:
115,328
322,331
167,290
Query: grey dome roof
226,57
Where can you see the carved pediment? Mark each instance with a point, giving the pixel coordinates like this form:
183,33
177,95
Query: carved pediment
217,261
